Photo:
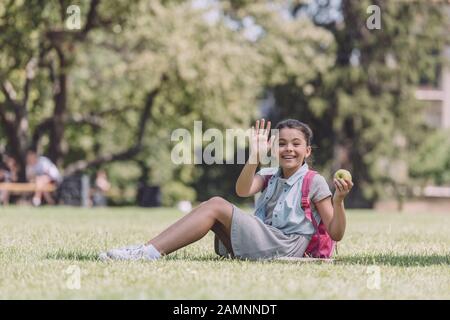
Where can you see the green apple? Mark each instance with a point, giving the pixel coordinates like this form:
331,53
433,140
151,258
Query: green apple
343,174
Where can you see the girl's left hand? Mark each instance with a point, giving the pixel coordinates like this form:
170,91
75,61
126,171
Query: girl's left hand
343,187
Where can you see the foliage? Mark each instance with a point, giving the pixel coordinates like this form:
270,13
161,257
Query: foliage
116,89
431,160
363,110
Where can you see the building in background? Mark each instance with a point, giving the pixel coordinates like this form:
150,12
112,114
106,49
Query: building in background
437,115
437,99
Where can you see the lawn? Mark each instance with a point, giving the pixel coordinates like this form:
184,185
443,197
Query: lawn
45,251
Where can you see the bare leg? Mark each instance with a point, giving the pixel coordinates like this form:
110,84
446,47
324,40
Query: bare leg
4,195
40,181
222,235
48,197
214,214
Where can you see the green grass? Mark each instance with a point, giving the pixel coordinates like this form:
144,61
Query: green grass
37,246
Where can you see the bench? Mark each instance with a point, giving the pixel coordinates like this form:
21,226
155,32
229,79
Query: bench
25,187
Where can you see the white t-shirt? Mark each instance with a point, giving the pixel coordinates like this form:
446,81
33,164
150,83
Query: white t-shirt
45,166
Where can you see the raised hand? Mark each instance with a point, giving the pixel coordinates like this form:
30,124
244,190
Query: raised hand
259,144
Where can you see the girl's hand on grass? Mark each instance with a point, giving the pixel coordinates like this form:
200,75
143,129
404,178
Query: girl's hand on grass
259,144
343,187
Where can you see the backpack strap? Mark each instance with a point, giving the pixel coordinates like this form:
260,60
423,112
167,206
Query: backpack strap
306,186
266,181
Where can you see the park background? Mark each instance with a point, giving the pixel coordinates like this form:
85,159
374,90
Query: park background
105,91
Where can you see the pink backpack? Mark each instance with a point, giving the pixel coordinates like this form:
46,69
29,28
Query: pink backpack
321,244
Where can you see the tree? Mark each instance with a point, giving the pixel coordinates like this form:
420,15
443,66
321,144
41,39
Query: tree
289,51
363,109
431,161
37,56
114,90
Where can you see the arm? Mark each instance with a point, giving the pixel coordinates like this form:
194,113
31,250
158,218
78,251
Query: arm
333,212
248,183
29,172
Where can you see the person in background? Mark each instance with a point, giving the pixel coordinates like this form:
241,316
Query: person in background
101,186
5,176
43,172
12,167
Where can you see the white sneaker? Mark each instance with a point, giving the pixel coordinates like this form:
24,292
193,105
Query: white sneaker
103,257
36,202
133,252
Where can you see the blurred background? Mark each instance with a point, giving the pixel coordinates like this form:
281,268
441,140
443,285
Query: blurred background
98,87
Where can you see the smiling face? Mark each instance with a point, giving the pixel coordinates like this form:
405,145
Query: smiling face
293,150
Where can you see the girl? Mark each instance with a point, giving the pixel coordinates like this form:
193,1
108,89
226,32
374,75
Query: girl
279,227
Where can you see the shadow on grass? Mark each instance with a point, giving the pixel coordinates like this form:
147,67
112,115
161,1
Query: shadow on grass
409,260
412,260
93,256
73,255
202,258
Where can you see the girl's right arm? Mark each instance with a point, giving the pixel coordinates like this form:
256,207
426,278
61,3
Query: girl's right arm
248,183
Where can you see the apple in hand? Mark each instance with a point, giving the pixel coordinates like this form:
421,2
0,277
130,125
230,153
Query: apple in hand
343,174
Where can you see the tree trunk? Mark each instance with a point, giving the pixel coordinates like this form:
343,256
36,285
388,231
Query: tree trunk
128,153
55,152
17,147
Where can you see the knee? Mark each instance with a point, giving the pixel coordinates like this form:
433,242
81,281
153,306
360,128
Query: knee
217,202
219,206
